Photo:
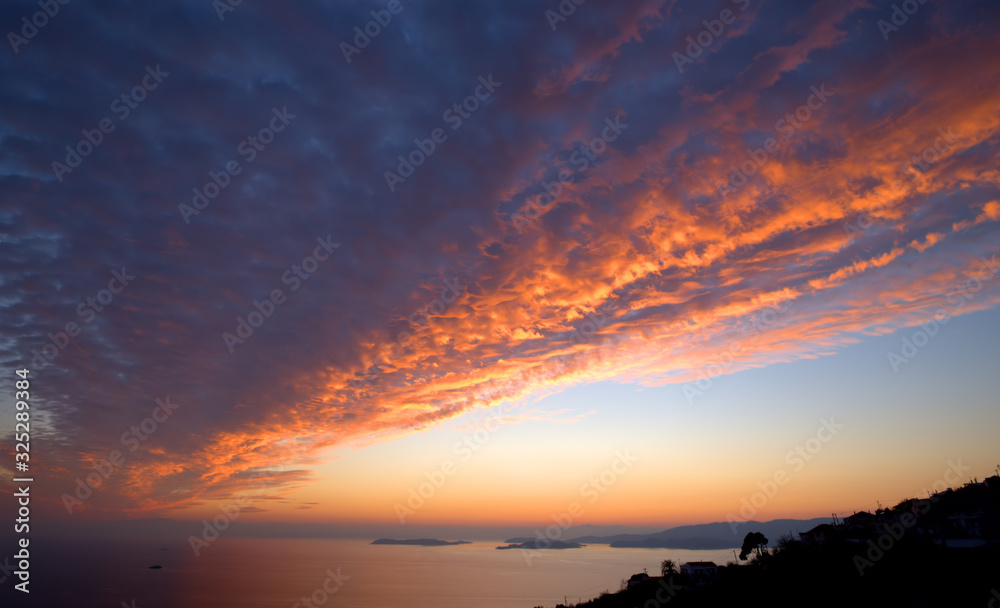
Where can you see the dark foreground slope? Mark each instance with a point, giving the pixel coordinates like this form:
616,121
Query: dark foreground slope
943,550
910,574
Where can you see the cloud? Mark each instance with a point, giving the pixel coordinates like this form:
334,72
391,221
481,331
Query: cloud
641,271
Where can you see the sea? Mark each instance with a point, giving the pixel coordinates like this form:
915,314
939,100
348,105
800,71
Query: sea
348,573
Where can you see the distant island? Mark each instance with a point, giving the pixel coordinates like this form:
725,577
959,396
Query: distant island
539,543
675,543
713,536
698,537
421,542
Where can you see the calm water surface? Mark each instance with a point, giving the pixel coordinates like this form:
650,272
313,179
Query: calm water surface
273,573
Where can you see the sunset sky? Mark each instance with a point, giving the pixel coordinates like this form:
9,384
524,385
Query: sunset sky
765,229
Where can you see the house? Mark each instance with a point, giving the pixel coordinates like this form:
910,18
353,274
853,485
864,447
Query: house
860,527
637,579
961,531
968,524
819,535
863,520
700,573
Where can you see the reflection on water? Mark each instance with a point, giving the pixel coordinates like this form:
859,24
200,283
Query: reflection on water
251,573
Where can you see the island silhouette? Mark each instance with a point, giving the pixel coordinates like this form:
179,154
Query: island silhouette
422,542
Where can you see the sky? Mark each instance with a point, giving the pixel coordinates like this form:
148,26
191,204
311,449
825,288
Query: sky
401,264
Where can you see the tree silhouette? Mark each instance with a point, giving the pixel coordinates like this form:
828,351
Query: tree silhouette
668,567
755,543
